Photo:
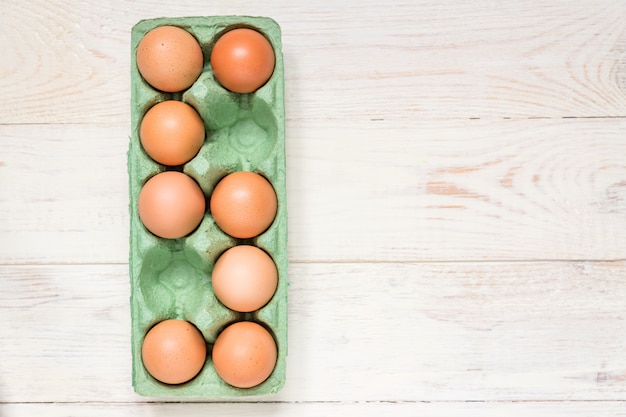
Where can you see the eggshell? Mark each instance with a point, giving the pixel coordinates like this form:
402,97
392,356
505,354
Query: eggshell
171,277
171,204
243,204
244,278
169,58
173,351
172,132
244,354
242,60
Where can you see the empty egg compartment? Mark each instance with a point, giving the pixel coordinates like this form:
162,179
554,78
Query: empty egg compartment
171,278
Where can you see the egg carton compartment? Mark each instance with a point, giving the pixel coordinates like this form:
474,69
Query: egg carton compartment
171,278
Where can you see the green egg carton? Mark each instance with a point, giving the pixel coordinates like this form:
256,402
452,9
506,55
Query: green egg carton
171,278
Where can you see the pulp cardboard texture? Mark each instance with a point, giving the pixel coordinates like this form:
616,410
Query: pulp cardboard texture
171,278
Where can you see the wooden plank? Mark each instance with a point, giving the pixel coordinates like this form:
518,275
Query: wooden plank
528,331
376,191
364,409
466,190
66,62
64,194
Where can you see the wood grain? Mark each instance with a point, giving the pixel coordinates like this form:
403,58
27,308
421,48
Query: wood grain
64,194
68,63
357,332
377,191
456,196
363,409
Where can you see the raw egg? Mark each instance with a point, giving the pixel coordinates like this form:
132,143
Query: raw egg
169,58
171,204
243,204
173,351
172,132
244,354
242,60
244,278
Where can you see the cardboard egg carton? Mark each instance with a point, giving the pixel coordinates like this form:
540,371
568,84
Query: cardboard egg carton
171,278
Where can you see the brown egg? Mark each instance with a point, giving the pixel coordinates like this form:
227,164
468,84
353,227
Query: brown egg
244,278
173,351
243,204
171,204
169,58
172,132
242,60
244,354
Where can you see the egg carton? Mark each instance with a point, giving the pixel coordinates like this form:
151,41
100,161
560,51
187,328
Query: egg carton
171,278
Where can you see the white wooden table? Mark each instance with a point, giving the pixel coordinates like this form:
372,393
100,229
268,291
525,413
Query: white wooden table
456,194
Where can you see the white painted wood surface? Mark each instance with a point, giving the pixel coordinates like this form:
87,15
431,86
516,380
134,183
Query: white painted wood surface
456,192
